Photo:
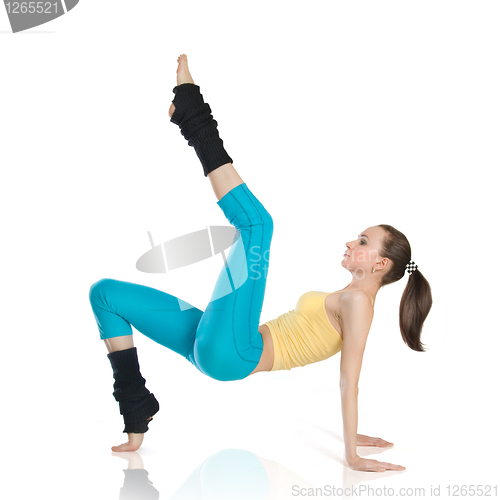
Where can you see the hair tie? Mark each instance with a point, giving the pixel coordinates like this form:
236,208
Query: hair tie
411,267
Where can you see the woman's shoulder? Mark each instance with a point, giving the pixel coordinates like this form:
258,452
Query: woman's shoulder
356,312
356,298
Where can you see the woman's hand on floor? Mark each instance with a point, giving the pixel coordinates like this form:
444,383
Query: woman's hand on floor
363,440
369,465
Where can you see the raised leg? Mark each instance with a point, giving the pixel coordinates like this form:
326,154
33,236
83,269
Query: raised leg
225,177
228,344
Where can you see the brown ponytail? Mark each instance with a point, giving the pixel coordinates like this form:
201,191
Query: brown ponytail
416,301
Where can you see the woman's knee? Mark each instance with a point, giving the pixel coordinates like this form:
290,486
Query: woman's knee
260,217
268,221
98,288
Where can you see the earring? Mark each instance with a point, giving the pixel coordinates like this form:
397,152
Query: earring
373,270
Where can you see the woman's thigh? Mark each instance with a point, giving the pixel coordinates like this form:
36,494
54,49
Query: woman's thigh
118,305
228,344
223,342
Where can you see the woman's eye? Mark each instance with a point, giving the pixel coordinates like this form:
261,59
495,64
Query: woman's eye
363,242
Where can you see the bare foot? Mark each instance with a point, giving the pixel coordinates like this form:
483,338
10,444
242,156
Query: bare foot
183,76
134,442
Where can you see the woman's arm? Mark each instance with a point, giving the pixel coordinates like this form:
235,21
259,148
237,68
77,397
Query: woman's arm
357,315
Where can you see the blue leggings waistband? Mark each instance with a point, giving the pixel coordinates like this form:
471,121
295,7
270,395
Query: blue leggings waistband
223,341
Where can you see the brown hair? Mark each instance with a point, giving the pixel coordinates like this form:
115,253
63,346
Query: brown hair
416,301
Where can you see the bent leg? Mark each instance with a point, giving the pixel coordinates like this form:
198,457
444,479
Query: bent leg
119,343
119,305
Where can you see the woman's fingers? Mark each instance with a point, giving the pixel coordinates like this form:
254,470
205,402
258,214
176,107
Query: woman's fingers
383,442
369,465
382,466
373,441
376,467
389,466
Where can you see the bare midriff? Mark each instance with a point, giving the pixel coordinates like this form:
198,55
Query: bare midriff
332,309
267,359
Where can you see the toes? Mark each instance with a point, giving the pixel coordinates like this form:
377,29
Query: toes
125,447
122,447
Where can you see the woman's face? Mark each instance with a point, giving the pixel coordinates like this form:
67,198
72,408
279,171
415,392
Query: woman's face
363,253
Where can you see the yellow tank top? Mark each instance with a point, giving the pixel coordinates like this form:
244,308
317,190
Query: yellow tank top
305,334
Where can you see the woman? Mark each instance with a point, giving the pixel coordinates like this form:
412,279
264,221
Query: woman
225,341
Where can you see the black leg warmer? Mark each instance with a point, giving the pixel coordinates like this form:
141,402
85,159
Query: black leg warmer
198,126
137,404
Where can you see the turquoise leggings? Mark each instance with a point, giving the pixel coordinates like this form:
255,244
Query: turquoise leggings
224,341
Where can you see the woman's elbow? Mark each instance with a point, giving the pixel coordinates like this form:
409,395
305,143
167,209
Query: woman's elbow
348,386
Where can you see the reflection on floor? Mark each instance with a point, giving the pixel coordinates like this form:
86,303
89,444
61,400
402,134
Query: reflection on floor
228,474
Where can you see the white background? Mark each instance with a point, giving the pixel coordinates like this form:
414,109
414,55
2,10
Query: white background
338,116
